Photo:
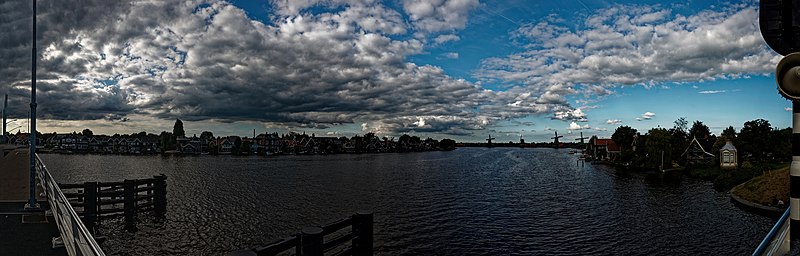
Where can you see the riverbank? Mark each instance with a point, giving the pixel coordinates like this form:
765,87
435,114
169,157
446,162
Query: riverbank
768,193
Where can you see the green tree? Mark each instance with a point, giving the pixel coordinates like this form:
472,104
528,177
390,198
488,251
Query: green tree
754,140
729,134
623,136
166,141
679,136
88,133
699,130
447,144
206,135
781,144
177,129
659,141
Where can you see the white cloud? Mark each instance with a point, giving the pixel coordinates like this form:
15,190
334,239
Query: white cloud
646,116
613,121
446,38
451,55
570,114
789,109
601,129
438,16
576,126
713,91
632,45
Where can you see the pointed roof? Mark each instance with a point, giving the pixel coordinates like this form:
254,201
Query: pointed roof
728,146
695,141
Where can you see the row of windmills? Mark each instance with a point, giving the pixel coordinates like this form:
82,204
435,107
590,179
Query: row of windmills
555,139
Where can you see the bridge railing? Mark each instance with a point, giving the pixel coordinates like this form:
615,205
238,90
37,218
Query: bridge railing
76,237
777,240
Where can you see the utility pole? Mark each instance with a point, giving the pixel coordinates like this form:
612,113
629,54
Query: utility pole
32,205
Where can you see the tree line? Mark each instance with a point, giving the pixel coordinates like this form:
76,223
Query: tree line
756,142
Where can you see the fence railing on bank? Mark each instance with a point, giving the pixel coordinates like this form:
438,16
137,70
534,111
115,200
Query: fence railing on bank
330,239
99,200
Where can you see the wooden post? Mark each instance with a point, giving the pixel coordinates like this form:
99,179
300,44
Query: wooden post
160,197
362,229
90,205
129,200
311,242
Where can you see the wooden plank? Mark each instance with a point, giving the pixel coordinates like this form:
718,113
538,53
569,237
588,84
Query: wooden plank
336,226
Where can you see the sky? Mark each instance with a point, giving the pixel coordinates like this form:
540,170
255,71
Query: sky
461,69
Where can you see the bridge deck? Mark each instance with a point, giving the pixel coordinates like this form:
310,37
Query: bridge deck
23,233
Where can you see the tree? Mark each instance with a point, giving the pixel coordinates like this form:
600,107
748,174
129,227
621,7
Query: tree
681,124
88,133
447,144
623,136
659,141
699,130
729,133
206,135
754,139
781,141
166,141
680,138
177,129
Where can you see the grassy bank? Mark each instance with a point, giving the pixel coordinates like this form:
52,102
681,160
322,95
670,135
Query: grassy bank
766,189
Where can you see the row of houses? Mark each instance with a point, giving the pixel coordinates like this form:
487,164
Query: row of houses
272,143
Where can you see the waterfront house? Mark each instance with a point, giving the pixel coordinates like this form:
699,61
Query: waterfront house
94,145
189,149
727,156
225,145
135,146
696,154
603,149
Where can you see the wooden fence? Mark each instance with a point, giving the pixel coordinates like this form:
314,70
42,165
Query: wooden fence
312,240
98,200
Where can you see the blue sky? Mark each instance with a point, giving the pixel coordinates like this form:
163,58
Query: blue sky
447,68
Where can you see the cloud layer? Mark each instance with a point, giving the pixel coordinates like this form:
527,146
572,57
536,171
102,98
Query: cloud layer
207,60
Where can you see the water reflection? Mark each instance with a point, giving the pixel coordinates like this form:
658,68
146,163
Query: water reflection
468,201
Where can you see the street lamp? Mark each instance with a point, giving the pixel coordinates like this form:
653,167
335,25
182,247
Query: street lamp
32,205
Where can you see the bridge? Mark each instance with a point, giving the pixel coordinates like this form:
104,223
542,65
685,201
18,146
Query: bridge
31,232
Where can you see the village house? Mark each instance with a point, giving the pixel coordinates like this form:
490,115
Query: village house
695,153
603,149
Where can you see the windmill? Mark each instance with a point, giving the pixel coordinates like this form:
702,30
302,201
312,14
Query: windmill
581,139
555,138
489,141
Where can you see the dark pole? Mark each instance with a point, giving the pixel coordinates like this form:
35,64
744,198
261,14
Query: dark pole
5,106
32,138
794,174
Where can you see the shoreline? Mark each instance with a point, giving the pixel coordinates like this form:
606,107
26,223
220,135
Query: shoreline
752,206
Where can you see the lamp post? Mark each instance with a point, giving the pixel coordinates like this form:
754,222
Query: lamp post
32,205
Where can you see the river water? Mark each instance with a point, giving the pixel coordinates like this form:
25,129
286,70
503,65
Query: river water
471,201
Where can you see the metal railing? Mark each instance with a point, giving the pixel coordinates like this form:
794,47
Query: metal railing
76,237
777,240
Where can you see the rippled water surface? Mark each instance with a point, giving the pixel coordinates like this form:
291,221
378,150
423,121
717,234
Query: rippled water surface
471,201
